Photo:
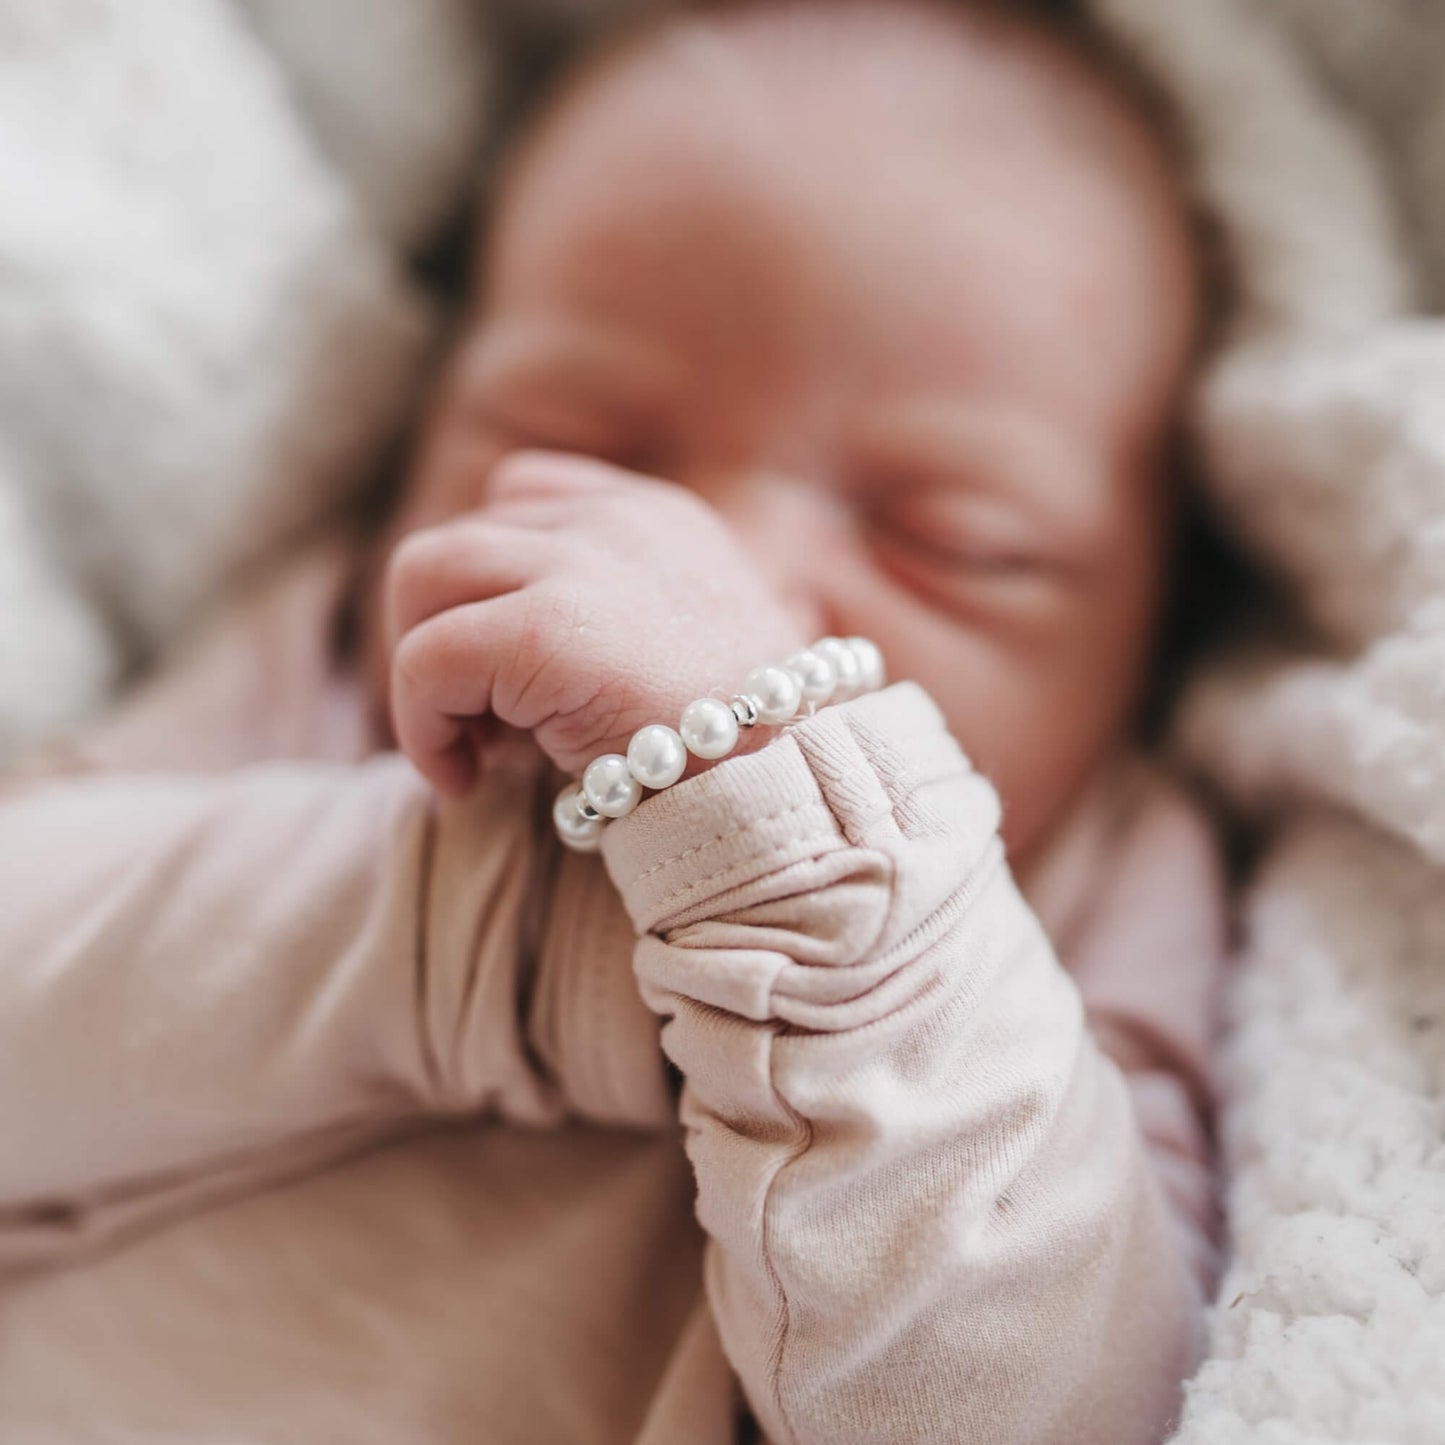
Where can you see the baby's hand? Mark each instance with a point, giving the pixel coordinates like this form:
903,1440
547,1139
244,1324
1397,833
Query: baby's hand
579,603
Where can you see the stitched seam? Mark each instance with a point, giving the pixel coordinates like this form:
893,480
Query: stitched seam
785,1321
723,837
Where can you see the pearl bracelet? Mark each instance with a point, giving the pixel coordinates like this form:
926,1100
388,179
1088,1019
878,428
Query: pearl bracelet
832,670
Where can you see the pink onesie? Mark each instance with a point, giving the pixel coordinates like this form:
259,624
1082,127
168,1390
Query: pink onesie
329,1113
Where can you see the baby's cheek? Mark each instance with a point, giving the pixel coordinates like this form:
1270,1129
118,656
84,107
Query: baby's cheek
1030,717
1076,709
1011,725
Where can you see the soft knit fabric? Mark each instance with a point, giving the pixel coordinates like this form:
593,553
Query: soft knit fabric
931,1208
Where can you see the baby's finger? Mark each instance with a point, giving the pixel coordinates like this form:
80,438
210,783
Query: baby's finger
443,673
536,514
537,473
450,768
443,567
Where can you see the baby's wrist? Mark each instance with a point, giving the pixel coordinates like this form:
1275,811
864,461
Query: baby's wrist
711,729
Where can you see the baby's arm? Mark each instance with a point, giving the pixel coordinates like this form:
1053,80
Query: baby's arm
933,1215
207,982
210,980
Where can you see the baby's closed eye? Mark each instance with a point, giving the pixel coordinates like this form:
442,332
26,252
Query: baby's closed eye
970,554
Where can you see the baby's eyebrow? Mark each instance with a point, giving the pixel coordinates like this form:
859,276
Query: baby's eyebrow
605,365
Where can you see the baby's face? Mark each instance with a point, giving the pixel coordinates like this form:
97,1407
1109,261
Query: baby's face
907,303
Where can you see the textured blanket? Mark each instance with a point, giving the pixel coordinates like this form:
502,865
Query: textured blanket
1323,426
208,334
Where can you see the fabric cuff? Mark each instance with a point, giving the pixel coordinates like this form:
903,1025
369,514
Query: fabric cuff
849,775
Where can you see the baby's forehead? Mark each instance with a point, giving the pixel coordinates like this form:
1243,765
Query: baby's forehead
858,95
917,152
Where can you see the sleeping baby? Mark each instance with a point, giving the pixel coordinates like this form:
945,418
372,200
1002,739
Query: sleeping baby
793,321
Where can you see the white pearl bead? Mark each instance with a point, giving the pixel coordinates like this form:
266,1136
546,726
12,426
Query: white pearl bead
776,692
709,728
656,756
845,667
870,663
814,673
579,832
610,786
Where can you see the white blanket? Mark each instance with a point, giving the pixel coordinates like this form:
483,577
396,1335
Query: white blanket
1323,424
207,335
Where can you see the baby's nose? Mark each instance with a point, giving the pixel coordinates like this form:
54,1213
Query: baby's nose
791,528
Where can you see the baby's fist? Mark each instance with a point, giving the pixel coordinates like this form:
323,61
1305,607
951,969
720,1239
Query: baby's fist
580,602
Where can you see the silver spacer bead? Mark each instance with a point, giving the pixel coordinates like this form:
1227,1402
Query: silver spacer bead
745,710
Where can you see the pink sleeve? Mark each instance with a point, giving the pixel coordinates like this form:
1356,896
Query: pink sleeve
1149,967
209,981
932,1214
